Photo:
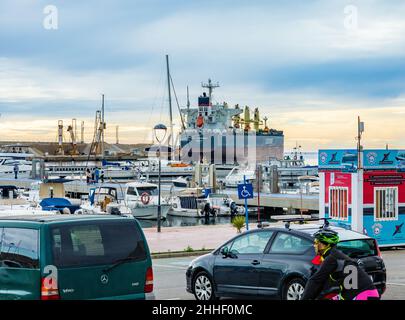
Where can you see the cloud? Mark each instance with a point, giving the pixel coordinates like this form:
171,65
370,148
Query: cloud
295,60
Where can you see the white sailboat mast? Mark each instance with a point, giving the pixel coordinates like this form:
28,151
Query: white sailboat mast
171,141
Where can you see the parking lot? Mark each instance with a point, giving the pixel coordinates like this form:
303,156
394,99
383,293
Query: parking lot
170,281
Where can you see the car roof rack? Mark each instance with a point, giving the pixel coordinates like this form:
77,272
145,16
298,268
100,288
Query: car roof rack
304,220
264,224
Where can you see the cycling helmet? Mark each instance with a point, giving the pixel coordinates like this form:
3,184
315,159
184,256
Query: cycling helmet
327,236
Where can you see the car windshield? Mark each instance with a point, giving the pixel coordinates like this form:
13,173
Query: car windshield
106,191
358,248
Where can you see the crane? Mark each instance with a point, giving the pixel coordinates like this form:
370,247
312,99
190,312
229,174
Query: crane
60,151
71,130
98,134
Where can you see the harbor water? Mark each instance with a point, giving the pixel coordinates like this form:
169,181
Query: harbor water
173,221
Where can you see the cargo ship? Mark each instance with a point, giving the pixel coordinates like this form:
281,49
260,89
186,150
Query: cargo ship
220,134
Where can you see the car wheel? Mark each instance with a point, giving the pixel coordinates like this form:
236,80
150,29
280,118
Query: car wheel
294,289
203,287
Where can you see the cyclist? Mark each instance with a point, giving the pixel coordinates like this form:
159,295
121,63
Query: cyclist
333,272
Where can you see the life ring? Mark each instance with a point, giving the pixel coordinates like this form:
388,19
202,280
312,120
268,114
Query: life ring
145,198
200,121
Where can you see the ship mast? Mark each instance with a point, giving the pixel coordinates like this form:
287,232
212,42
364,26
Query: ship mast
103,127
210,86
188,100
171,141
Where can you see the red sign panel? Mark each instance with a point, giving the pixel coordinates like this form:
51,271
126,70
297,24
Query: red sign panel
376,179
338,179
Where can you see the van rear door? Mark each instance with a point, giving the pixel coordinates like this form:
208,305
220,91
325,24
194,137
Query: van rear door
100,259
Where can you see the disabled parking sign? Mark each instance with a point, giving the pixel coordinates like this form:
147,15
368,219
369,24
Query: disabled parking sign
245,191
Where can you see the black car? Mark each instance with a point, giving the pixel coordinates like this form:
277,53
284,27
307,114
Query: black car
274,262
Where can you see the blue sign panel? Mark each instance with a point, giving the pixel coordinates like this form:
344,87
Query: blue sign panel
245,191
387,233
384,159
338,159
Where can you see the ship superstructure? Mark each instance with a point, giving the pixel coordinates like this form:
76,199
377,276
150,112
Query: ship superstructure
217,133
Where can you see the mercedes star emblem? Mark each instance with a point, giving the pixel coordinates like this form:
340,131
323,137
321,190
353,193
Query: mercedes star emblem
104,279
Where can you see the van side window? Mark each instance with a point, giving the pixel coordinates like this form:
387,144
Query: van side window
19,248
57,245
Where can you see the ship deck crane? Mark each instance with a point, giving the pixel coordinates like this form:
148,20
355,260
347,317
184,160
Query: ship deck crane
257,122
246,121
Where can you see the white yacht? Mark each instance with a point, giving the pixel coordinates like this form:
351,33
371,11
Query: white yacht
169,168
105,199
309,184
238,176
139,199
11,203
289,169
223,205
8,165
192,202
180,183
142,199
77,170
189,202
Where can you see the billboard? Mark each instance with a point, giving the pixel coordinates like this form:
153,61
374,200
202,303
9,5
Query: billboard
384,159
345,160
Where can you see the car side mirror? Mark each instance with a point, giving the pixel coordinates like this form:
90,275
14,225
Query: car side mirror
225,251
233,254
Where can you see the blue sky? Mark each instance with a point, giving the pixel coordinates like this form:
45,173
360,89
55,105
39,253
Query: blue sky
299,61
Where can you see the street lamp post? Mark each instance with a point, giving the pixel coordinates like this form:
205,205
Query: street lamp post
160,134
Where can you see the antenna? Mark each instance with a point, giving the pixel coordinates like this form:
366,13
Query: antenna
210,86
265,123
116,135
360,130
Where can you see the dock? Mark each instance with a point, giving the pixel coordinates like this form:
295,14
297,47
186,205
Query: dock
296,202
273,201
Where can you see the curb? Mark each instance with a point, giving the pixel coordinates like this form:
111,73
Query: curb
178,254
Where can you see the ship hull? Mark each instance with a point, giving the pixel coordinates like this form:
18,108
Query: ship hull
229,148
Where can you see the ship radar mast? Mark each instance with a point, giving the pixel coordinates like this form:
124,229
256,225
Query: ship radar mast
210,86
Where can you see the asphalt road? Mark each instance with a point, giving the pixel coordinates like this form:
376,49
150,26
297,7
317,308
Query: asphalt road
395,263
170,280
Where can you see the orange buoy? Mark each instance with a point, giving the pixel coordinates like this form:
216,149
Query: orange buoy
200,121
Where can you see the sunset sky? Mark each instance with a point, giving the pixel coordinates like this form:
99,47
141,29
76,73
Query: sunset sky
311,66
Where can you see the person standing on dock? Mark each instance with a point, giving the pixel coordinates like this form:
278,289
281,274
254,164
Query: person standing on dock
96,174
88,175
16,171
